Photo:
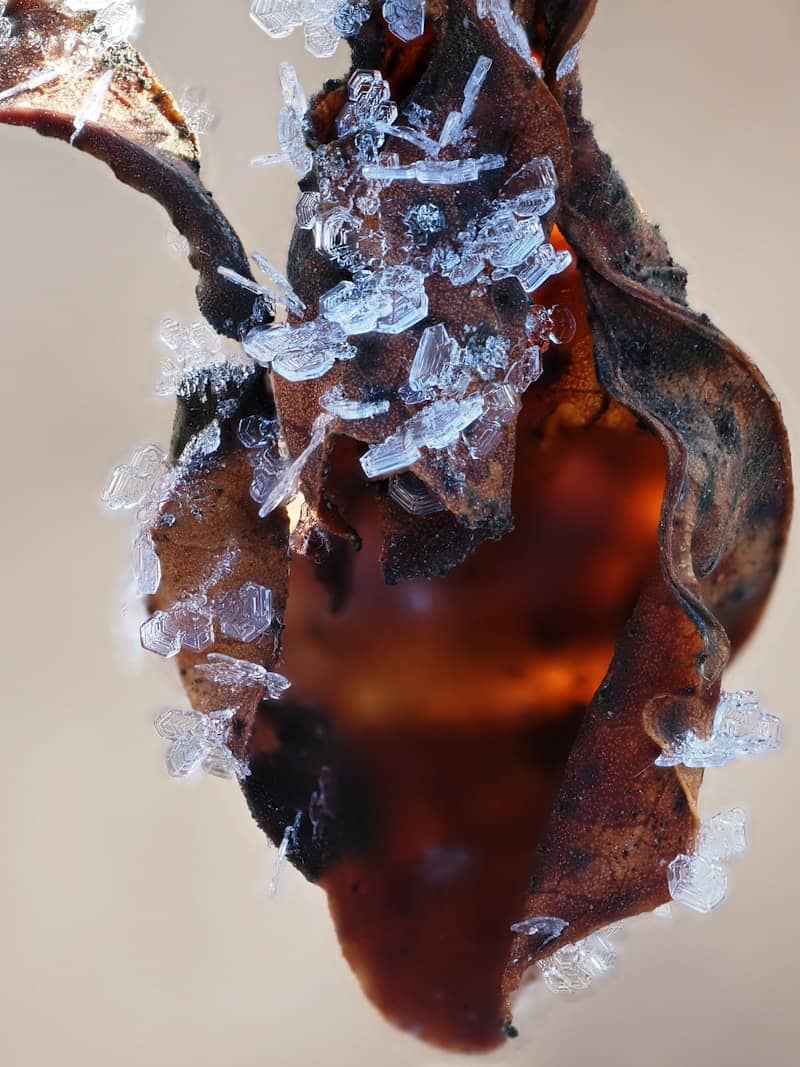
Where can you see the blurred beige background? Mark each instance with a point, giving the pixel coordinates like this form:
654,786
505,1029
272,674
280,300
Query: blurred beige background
134,927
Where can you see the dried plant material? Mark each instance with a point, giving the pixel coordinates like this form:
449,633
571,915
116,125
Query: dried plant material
460,568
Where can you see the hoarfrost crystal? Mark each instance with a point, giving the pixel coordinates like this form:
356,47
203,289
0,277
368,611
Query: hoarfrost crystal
697,882
291,136
723,837
93,104
545,926
197,110
414,496
405,18
132,482
319,19
246,613
242,674
574,967
200,742
337,403
740,729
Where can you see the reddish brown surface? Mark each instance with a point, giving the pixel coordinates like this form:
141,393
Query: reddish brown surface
459,753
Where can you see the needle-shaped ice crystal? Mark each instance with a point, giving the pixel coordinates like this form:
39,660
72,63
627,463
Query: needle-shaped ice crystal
93,103
242,674
132,482
740,729
414,496
574,967
291,839
245,613
697,882
434,171
338,403
569,61
276,489
300,353
405,18
509,28
723,837
199,742
457,121
287,295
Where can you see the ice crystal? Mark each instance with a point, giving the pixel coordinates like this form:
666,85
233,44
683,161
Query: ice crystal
740,729
246,613
160,634
509,28
93,104
723,837
286,294
197,110
242,674
291,135
574,967
397,453
501,406
457,121
405,18
114,23
436,353
440,423
697,882
523,372
257,431
351,15
132,482
337,403
299,353
434,171
569,61
541,926
194,354
369,105
274,489
414,496
319,19
531,190
307,210
200,742
203,444
291,838
146,564
424,221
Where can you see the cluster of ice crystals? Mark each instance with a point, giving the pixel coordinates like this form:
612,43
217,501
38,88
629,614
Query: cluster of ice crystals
196,108
574,967
369,105
397,453
243,674
700,881
509,28
457,121
291,135
299,353
200,742
245,613
414,496
319,19
277,481
405,18
194,356
93,103
337,403
388,301
114,23
740,729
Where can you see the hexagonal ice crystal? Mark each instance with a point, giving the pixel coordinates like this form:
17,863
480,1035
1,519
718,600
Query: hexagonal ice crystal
131,482
161,634
405,18
697,882
246,613
575,967
194,619
723,836
277,17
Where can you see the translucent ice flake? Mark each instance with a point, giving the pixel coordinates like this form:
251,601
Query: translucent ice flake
369,104
697,882
320,19
286,294
457,121
299,353
436,353
723,837
146,564
404,290
434,171
569,61
188,624
277,17
197,109
307,210
351,15
203,444
336,234
357,306
575,967
405,18
337,403
531,190
501,406
242,674
115,23
523,372
291,839
199,742
273,490
132,482
397,453
740,729
543,264
93,104
246,613
424,221
414,496
256,431
547,927
440,423
160,634
194,353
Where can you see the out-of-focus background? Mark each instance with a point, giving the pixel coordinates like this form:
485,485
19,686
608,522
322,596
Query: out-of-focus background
134,923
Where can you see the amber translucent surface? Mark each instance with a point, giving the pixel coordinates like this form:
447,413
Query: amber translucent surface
135,925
